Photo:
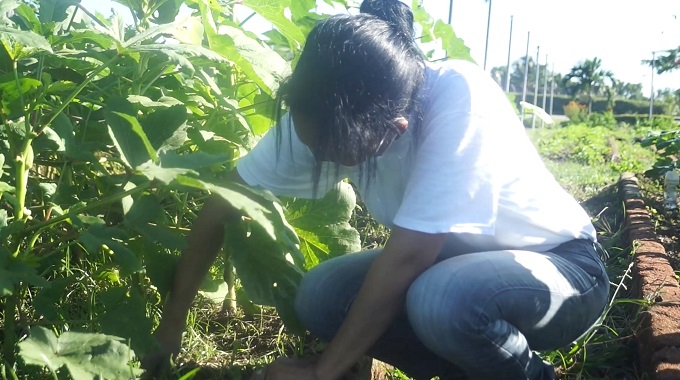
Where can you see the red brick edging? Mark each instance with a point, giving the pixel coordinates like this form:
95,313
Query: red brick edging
653,279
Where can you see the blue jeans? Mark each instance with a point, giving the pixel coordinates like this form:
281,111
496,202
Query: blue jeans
473,315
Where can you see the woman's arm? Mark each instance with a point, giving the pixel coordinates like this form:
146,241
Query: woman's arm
204,243
406,255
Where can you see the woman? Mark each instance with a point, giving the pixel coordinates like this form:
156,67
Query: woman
488,257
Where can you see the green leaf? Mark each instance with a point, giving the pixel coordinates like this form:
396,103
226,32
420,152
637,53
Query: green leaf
191,161
10,91
166,128
61,86
167,12
13,272
259,62
128,136
85,355
144,210
54,10
5,187
214,289
183,50
137,128
29,17
163,101
160,268
323,225
47,303
150,34
300,8
265,273
125,317
273,11
455,47
263,209
166,175
97,236
104,41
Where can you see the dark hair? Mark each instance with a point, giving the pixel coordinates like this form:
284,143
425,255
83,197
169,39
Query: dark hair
355,76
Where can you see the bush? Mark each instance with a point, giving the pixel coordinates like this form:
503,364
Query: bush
575,111
621,106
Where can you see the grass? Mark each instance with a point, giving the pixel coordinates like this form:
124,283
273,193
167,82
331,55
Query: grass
580,158
221,346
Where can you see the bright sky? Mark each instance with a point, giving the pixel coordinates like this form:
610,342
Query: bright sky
621,33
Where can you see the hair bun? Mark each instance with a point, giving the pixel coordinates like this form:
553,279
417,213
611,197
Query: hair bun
395,12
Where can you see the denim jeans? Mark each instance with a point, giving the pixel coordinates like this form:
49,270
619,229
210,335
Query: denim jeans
471,316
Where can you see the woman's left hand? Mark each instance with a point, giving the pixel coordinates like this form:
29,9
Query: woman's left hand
288,369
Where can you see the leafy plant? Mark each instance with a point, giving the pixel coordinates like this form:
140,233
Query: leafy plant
112,135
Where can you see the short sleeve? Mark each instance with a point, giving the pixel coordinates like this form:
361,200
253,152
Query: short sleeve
283,164
455,182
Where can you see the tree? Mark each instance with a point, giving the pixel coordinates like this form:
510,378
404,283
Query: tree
626,90
670,98
665,63
589,78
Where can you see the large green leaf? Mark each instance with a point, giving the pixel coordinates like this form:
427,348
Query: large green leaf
261,207
264,272
323,225
455,47
54,10
259,62
166,128
13,272
273,11
130,140
85,355
125,317
28,16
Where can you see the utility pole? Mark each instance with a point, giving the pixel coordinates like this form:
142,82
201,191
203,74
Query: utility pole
507,67
450,11
536,85
545,84
651,97
488,28
526,74
552,88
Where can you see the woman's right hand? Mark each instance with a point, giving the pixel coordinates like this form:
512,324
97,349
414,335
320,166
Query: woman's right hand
169,341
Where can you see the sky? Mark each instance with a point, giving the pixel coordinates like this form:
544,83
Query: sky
621,33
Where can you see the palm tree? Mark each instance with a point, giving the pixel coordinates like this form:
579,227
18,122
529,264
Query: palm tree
588,77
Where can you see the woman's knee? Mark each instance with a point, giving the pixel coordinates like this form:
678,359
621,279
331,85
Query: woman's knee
440,304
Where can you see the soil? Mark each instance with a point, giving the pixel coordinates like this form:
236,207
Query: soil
653,233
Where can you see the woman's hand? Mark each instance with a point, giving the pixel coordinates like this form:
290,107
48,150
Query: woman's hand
288,369
169,340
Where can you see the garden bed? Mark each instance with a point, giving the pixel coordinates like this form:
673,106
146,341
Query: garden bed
653,233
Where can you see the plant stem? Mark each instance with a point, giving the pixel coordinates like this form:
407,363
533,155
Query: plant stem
9,344
92,206
75,92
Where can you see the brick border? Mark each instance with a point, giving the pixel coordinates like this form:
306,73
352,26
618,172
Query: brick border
653,278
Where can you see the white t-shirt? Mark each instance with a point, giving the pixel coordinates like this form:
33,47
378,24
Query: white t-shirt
474,173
